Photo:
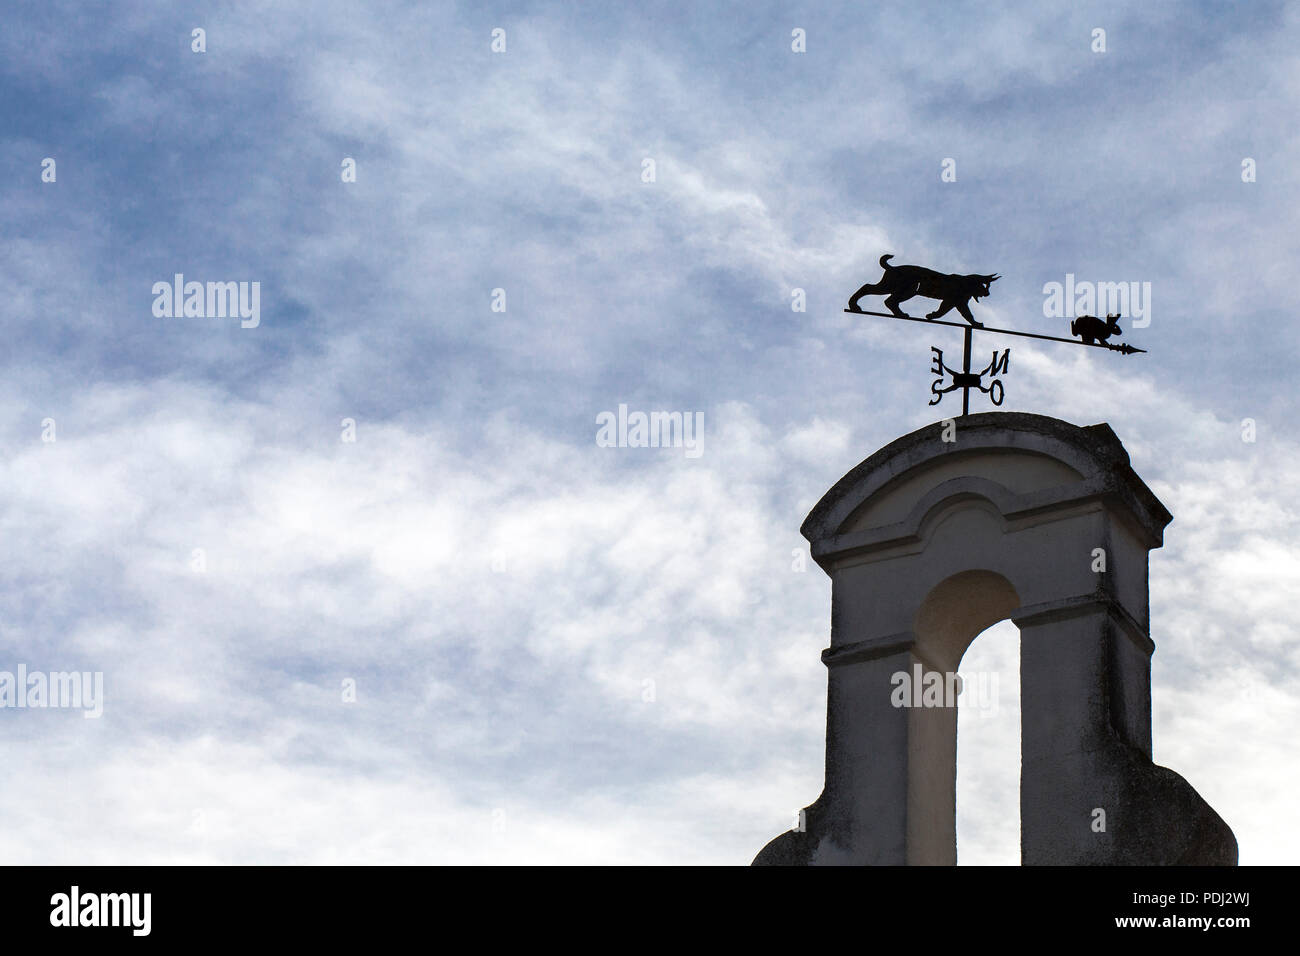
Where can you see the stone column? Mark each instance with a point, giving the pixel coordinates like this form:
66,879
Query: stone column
928,542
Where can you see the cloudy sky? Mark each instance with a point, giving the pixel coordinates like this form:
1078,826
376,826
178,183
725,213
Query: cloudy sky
563,652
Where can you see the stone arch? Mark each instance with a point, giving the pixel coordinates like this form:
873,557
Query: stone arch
928,542
987,799
955,611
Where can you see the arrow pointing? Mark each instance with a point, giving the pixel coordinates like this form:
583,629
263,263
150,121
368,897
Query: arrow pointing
1124,349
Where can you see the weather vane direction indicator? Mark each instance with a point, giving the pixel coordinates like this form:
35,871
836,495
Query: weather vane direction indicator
901,283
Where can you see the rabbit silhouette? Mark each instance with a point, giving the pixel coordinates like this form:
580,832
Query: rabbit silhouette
1092,329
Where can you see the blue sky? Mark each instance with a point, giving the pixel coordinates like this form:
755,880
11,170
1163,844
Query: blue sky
499,587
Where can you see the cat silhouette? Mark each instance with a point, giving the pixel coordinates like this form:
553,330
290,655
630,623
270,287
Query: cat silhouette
901,283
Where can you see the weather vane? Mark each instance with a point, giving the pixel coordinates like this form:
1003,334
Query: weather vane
901,283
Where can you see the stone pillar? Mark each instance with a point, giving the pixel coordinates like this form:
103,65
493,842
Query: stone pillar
928,542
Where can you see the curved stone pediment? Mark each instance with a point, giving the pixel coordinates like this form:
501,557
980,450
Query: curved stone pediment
1024,453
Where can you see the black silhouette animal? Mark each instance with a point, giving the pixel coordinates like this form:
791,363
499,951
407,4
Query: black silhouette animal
900,283
1090,328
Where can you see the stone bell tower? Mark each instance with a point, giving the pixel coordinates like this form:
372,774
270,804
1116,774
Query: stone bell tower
928,542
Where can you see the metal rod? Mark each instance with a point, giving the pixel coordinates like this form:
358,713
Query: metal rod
1125,348
965,367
